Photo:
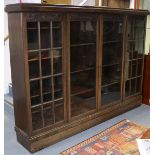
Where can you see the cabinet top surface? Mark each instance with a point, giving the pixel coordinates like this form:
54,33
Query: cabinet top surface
32,7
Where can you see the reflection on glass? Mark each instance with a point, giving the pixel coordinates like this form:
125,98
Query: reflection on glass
113,29
136,31
111,59
46,93
111,93
33,56
32,35
45,36
47,96
83,66
85,32
57,34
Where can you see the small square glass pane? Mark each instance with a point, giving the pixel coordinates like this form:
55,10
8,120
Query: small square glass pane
35,88
45,35
32,35
37,122
49,115
33,69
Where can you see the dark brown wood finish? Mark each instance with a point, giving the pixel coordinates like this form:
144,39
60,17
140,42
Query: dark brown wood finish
146,81
124,68
99,61
24,7
68,66
22,110
41,136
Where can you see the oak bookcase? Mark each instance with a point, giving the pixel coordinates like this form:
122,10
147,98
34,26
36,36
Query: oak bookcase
72,68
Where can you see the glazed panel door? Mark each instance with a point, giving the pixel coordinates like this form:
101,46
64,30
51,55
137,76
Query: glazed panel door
134,55
83,44
112,57
46,69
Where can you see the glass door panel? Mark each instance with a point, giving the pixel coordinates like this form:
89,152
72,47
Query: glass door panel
45,72
111,59
134,55
83,66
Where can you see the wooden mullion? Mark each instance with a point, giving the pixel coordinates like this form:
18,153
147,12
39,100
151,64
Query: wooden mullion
40,74
68,78
143,52
82,92
83,70
134,37
124,58
136,73
99,64
135,28
52,81
64,66
26,53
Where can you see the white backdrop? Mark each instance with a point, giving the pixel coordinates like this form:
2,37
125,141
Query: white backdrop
7,70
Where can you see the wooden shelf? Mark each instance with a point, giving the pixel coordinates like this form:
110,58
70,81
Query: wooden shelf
83,70
82,92
84,44
109,65
110,42
110,83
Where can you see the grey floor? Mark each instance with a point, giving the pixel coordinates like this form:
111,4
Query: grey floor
140,115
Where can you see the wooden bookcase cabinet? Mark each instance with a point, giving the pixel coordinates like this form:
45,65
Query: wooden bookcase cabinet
72,67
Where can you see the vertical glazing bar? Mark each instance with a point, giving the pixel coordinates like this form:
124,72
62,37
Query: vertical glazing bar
136,57
64,62
40,74
124,57
99,61
68,66
135,31
52,72
145,22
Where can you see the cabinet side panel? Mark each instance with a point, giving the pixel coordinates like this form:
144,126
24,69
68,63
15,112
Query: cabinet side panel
17,59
